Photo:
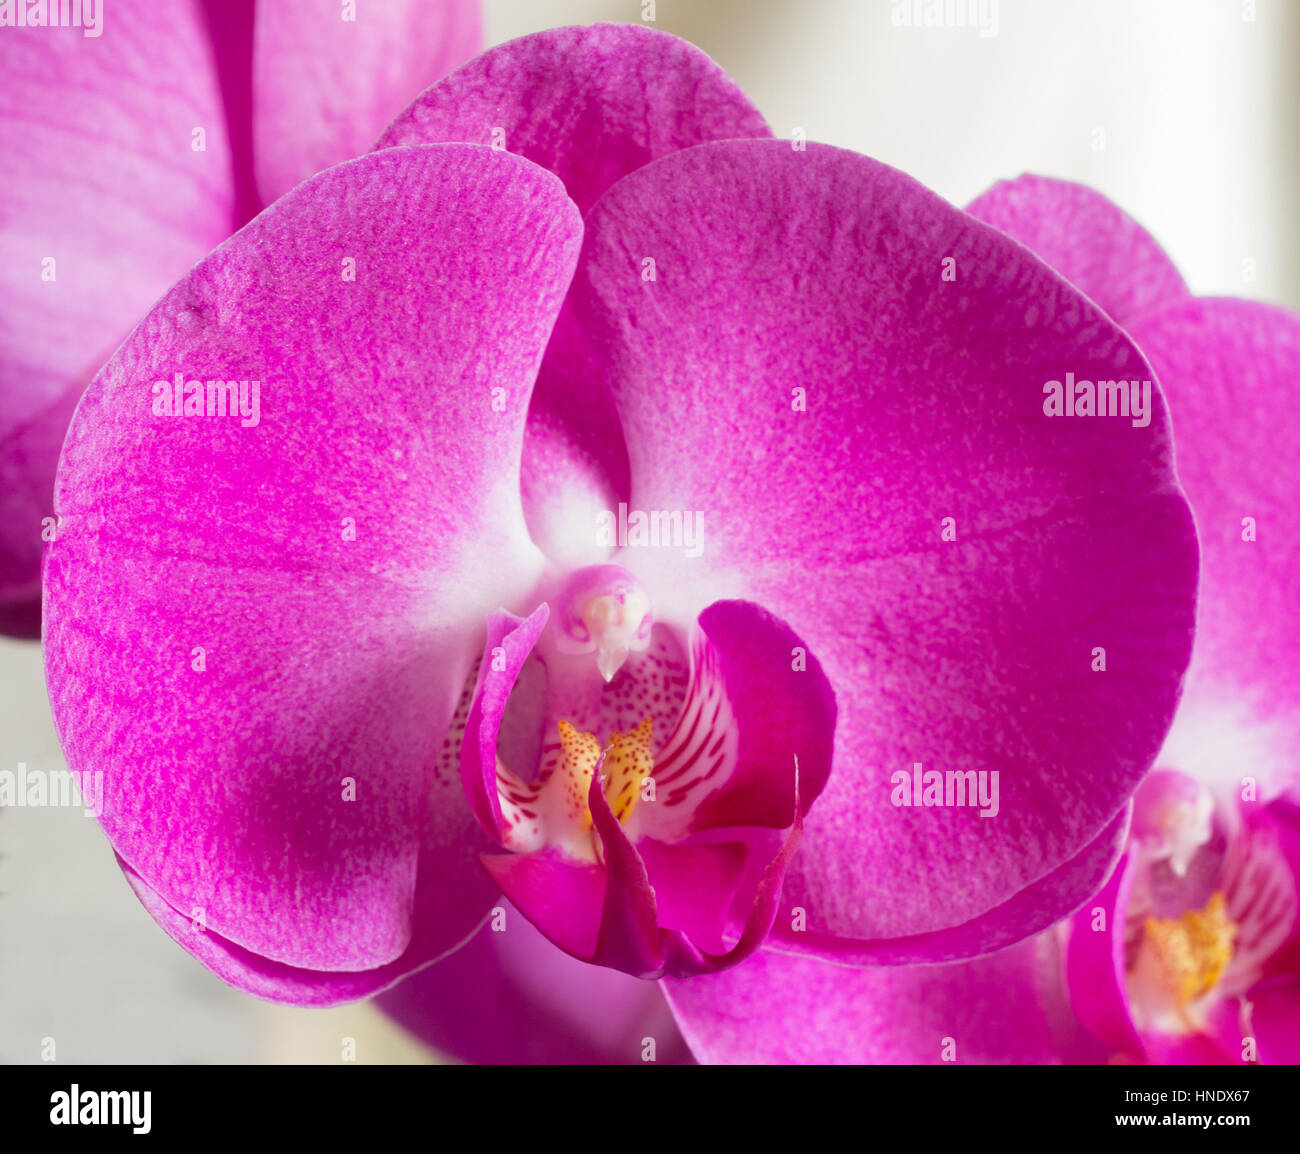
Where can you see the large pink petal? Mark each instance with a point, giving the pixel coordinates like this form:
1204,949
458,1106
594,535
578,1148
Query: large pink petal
591,104
102,178
1088,239
324,87
334,559
1004,1008
1229,368
510,997
818,270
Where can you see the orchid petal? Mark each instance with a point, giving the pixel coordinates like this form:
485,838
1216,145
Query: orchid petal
1095,969
590,104
258,627
922,399
510,997
629,936
561,896
510,640
784,715
1275,1020
1032,910
1088,239
633,935
294,985
773,1009
1219,1044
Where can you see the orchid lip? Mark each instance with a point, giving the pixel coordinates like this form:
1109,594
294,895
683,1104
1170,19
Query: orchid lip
560,803
654,835
1179,962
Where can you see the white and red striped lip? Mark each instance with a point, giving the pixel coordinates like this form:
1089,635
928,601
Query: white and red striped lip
695,759
651,825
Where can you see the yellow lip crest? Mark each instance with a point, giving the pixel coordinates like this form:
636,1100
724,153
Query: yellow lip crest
1190,952
628,762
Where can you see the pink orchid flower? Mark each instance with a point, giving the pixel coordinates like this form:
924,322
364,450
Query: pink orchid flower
130,153
1191,952
402,641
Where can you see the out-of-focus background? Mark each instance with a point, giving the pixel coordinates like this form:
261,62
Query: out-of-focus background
1186,112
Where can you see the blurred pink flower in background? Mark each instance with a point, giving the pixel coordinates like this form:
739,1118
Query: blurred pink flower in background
129,155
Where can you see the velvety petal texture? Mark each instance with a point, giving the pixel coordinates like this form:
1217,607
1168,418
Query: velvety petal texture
847,376
328,76
296,985
1227,367
269,579
121,171
116,178
590,104
1032,910
1088,239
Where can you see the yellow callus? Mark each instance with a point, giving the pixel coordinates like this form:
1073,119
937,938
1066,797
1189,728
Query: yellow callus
1188,954
628,762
